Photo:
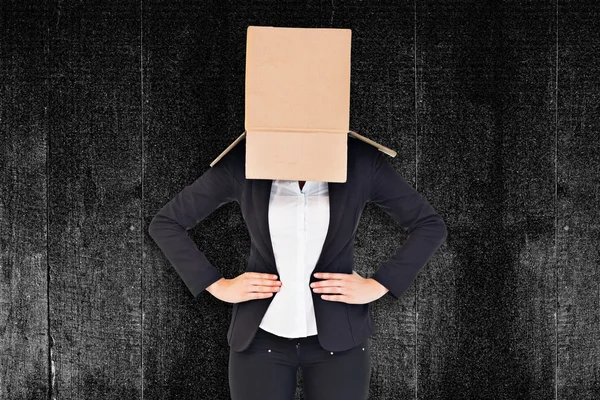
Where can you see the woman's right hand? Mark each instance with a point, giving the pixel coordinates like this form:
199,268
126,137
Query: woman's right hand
247,286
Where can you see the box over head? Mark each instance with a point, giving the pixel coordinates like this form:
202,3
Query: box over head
297,104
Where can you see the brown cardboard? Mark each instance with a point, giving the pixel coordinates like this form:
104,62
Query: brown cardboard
297,104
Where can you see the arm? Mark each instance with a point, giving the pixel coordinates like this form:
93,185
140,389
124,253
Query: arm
190,206
426,229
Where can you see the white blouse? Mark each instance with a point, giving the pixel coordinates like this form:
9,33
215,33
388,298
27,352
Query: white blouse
298,222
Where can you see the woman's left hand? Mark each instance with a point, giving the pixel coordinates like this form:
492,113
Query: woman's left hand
347,288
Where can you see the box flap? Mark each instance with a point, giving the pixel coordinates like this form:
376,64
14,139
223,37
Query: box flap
380,147
231,146
352,134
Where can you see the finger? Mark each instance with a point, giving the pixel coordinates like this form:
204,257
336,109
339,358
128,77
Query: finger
329,289
257,295
334,297
261,275
263,288
258,278
330,275
264,282
327,283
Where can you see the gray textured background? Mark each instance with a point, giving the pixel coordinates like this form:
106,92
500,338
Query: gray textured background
109,108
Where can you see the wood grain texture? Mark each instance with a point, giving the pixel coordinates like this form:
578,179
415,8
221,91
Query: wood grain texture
24,353
383,109
486,306
577,201
94,200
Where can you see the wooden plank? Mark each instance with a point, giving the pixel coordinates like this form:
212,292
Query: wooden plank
95,194
24,354
189,91
383,98
486,140
578,200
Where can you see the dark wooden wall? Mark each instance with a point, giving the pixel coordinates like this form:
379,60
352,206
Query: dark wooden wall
109,108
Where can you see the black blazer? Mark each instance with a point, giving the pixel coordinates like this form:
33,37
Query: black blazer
370,178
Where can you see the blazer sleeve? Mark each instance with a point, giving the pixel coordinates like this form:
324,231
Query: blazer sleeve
190,206
426,229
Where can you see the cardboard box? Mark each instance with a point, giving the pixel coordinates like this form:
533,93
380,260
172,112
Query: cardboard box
297,104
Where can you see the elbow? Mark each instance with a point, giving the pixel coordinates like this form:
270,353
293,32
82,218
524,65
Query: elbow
442,230
152,227
161,223
434,230
151,230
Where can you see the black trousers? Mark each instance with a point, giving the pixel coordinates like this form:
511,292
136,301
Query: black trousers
267,369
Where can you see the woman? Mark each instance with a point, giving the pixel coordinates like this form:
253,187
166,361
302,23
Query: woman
300,304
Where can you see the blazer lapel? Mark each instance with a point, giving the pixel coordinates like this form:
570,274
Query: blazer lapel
338,198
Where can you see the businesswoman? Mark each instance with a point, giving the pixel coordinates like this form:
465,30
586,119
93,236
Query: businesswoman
300,304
